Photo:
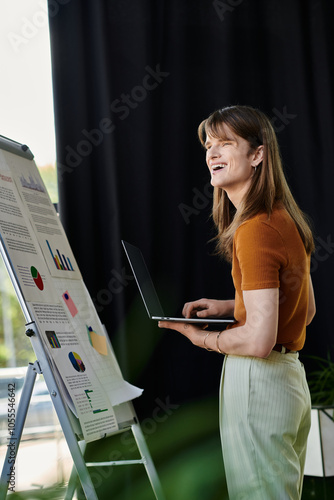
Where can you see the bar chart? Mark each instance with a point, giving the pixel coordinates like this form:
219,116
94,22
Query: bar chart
95,401
53,339
61,262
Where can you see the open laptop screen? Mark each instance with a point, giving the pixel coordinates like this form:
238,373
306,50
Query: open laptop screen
143,279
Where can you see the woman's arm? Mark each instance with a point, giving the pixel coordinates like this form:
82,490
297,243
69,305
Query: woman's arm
258,335
256,338
311,303
208,308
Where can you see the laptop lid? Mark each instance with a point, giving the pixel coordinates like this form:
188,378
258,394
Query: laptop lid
148,291
143,280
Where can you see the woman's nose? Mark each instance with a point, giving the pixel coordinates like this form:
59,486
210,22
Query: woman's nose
213,153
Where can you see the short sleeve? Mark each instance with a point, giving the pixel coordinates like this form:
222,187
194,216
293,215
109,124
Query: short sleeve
261,254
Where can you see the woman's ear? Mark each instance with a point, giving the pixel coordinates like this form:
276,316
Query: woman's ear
258,156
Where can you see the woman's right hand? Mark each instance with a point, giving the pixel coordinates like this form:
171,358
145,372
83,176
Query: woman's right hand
205,308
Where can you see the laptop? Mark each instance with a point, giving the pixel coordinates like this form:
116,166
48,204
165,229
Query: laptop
148,291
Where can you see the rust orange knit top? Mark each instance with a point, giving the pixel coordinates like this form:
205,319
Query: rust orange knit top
269,253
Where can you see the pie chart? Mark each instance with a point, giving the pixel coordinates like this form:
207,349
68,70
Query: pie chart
37,278
76,362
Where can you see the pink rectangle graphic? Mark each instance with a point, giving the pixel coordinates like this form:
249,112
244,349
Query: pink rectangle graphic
70,304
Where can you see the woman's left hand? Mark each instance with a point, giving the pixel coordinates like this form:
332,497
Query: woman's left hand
195,333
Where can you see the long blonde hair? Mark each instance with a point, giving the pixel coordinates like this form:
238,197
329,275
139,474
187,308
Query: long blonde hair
268,182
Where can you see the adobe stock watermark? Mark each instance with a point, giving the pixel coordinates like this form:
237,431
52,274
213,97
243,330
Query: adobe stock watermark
118,282
99,474
324,248
121,107
126,102
224,7
281,119
162,411
201,200
31,26
12,440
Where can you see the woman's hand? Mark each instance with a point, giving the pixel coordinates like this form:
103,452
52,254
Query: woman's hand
205,308
195,333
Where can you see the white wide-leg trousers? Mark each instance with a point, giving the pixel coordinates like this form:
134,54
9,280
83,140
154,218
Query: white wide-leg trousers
265,416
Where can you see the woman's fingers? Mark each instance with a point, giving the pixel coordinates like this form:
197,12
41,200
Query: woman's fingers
191,309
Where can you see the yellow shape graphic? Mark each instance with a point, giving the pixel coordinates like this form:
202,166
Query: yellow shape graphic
99,343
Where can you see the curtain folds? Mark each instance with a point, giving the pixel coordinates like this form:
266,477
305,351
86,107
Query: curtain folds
132,80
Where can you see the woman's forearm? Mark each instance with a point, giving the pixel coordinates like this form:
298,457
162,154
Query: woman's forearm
229,307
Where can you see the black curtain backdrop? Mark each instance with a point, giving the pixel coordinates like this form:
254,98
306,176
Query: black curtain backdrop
132,80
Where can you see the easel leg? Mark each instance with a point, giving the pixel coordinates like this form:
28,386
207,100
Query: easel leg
61,411
73,481
149,465
15,438
145,460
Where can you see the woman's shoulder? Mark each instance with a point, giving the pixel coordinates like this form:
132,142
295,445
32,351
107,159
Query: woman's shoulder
263,223
278,215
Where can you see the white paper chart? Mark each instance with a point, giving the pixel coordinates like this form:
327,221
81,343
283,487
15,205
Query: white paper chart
93,341
43,217
52,287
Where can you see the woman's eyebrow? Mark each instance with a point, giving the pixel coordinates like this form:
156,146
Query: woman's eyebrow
221,139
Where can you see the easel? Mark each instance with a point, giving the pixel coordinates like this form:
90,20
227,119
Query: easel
80,469
125,413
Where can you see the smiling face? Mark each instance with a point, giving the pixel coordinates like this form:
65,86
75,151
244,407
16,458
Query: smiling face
232,163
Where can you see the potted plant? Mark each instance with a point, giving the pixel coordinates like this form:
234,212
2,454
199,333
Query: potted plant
320,447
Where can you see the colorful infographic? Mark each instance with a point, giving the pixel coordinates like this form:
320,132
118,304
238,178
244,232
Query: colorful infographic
97,341
61,262
32,183
77,362
93,401
47,275
37,278
70,304
53,339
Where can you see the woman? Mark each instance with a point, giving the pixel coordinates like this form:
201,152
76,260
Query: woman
264,398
